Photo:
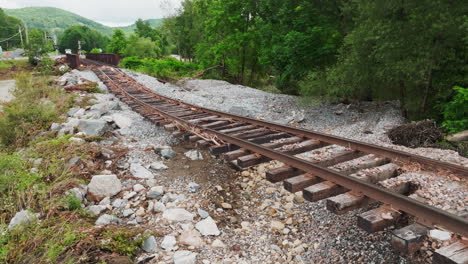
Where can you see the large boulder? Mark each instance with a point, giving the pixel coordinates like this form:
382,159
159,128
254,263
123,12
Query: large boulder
121,120
93,128
23,217
104,185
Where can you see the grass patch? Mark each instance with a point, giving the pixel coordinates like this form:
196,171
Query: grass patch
37,104
168,68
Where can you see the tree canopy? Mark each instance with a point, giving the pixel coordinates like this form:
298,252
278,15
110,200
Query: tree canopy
89,38
9,27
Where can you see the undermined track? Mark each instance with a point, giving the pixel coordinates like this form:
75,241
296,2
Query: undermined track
348,178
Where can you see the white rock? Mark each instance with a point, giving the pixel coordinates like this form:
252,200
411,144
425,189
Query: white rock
277,225
440,235
106,219
194,154
149,244
218,244
77,193
118,203
129,195
140,212
202,213
95,209
93,128
76,140
105,201
138,187
158,165
208,227
159,207
190,238
226,206
185,257
169,243
122,121
140,172
23,217
178,215
168,153
104,185
155,192
128,212
193,187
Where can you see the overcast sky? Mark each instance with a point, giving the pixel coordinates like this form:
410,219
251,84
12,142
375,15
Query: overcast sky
107,12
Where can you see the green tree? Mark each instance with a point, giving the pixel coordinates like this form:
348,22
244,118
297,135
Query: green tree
118,43
142,48
8,31
37,46
409,50
89,38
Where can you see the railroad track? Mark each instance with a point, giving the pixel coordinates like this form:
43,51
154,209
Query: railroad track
347,177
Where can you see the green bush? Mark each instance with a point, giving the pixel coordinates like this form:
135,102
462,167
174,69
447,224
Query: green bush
167,68
95,50
456,111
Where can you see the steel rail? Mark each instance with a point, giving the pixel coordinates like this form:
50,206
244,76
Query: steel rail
426,214
349,143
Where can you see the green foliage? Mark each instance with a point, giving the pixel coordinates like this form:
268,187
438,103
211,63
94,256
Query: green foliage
455,112
89,38
128,30
54,20
8,28
167,68
73,203
142,48
46,66
95,50
118,43
36,105
37,47
121,241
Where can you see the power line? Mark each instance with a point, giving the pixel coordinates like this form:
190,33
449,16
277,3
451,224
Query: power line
10,37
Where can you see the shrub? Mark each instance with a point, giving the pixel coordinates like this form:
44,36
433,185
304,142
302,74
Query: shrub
456,111
167,68
132,63
96,50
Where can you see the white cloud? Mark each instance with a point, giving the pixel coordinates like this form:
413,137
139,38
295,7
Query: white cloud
109,12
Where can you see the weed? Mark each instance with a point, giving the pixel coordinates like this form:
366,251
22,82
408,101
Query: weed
73,202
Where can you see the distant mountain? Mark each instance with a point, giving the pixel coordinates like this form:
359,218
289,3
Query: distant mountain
56,20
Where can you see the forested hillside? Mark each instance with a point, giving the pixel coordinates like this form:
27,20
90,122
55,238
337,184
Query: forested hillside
152,22
414,51
9,27
55,20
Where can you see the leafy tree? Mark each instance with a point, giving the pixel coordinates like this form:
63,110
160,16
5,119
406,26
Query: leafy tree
89,39
9,27
37,46
118,43
144,30
142,48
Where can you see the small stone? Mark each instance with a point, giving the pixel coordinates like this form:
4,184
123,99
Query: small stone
76,140
226,206
140,172
190,238
193,187
77,193
168,153
218,244
129,195
104,185
105,201
277,225
440,235
158,166
245,225
299,199
155,192
55,127
184,257
208,227
106,219
73,162
149,244
128,212
93,128
140,212
159,207
194,155
23,217
169,243
118,203
95,209
202,213
177,215
138,187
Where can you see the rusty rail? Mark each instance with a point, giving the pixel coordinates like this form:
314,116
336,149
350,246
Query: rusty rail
428,215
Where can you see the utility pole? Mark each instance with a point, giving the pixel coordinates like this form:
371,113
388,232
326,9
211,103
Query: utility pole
21,35
26,32
79,47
